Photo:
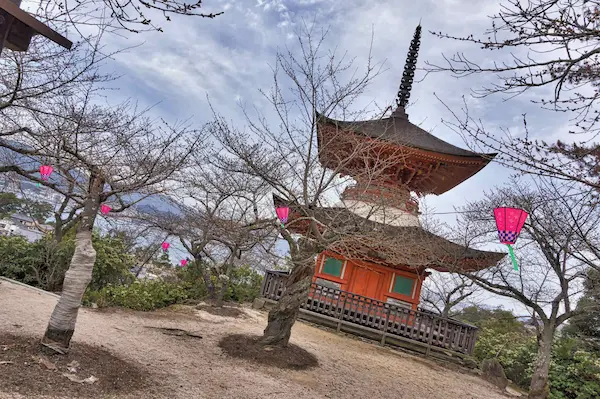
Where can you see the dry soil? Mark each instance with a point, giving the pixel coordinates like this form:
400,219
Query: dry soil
184,366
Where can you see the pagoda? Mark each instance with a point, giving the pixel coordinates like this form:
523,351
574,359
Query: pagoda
389,259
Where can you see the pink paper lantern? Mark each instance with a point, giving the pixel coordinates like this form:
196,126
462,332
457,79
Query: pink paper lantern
183,262
104,209
165,246
509,222
283,213
45,172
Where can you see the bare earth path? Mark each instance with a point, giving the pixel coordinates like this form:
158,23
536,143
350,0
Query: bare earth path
197,368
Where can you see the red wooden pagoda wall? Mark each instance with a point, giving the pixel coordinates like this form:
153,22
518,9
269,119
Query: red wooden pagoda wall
369,279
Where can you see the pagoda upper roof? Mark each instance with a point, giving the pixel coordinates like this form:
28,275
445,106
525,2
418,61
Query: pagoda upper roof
359,238
397,129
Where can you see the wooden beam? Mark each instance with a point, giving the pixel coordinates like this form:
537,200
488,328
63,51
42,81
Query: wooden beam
19,36
33,23
6,21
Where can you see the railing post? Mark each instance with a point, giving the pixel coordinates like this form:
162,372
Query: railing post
430,339
473,340
339,325
264,283
385,326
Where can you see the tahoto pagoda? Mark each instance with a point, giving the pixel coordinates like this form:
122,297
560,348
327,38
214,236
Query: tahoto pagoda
387,206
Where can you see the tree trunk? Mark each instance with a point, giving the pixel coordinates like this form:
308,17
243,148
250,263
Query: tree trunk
283,316
210,286
224,278
221,295
539,388
62,322
58,229
446,311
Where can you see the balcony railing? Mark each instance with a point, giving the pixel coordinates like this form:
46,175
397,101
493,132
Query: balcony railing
389,320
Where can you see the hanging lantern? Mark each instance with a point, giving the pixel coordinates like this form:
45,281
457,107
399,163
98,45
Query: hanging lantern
183,262
283,213
104,209
45,172
165,246
509,222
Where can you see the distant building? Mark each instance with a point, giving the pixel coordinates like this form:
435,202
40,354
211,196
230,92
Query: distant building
22,220
151,271
23,226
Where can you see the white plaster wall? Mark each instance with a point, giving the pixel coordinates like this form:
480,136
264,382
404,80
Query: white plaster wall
385,215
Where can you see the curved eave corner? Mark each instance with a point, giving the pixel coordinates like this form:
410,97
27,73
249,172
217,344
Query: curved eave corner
487,158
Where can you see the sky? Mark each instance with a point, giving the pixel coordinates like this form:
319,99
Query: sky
228,59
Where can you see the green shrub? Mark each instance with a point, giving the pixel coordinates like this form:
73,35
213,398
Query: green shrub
140,295
244,285
574,372
191,276
44,263
18,259
113,263
514,350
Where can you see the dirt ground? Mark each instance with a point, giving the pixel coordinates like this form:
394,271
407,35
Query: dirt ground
194,366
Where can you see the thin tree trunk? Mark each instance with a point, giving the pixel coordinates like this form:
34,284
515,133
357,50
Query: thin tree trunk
224,279
62,322
539,388
58,232
283,316
210,285
221,295
446,311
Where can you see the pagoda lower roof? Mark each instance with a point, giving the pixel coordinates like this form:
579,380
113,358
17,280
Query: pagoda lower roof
397,129
358,238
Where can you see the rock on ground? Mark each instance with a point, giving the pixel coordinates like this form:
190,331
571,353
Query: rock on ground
494,373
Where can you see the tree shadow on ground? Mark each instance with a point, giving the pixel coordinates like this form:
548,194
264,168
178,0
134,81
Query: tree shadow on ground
28,371
249,348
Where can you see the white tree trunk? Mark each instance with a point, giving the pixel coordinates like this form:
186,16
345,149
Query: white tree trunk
62,322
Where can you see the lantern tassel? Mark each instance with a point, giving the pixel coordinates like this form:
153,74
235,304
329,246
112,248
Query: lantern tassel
512,256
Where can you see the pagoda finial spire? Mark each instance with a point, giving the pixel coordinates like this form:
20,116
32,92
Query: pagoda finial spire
409,69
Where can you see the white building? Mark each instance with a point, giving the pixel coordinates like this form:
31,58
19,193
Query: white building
24,226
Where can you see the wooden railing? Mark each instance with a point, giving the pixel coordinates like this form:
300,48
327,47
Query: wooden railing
390,320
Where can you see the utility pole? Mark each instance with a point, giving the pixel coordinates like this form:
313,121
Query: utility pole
17,28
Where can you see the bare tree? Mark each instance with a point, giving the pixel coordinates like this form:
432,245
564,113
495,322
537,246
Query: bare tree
547,43
444,292
115,156
308,160
133,16
34,79
216,221
441,291
557,246
35,84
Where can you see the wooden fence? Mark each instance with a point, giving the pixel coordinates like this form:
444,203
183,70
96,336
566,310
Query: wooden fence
390,321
